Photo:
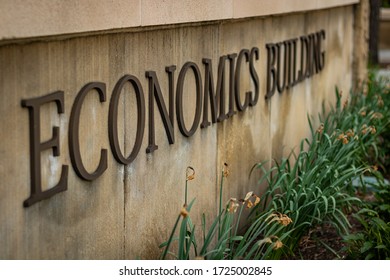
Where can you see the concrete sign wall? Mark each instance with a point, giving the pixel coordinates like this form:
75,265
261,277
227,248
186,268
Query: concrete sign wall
97,130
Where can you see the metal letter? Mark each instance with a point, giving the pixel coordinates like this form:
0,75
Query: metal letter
216,97
294,63
280,86
321,55
179,99
271,71
74,141
36,147
232,59
154,89
255,78
113,119
248,95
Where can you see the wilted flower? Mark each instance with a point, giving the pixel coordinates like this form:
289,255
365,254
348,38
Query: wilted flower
343,137
278,244
232,205
184,212
225,170
249,204
350,133
373,129
380,101
364,129
190,173
282,219
264,240
377,115
320,129
248,196
374,168
257,200
345,103
363,113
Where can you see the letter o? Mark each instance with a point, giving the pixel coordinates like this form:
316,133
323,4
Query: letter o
179,99
113,119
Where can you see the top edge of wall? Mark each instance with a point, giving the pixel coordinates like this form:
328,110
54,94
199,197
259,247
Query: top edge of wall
31,19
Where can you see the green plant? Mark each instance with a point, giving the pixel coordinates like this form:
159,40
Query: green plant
373,241
311,187
306,189
222,239
314,186
372,108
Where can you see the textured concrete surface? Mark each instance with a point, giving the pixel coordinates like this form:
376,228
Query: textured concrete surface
29,18
129,210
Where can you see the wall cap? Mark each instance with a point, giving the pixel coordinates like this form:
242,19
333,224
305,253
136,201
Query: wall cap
23,19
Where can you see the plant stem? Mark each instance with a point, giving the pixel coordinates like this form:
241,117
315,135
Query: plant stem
170,238
185,195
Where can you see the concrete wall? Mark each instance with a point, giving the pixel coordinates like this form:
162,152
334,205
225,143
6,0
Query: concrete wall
26,18
130,209
384,38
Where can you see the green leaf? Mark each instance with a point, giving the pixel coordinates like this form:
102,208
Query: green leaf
237,238
366,246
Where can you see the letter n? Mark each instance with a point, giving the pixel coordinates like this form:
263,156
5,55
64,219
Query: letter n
155,90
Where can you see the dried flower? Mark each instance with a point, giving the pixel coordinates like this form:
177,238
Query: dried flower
190,173
184,212
374,168
257,200
225,170
350,133
248,196
380,102
363,113
364,129
373,129
343,137
282,219
278,244
377,115
250,203
232,205
320,129
264,240
345,104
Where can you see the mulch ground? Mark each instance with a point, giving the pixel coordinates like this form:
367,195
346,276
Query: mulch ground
324,243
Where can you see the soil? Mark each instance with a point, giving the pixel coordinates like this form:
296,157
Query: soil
324,243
